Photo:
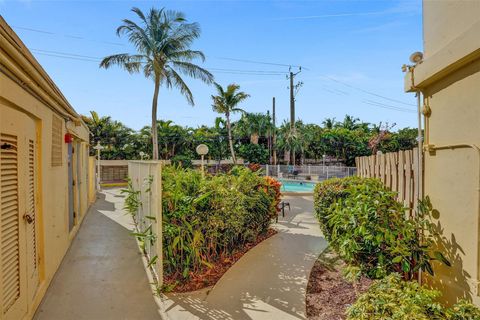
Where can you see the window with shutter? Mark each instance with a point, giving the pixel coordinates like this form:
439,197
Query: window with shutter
10,254
31,227
57,130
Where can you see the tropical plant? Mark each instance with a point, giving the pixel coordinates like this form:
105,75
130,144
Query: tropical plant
394,299
253,153
253,125
212,217
226,102
162,41
117,139
369,230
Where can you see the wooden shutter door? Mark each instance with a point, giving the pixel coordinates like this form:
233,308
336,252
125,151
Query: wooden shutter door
31,219
14,188
14,302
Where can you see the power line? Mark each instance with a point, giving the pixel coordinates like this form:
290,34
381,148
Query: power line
123,45
260,62
366,91
68,36
386,106
71,56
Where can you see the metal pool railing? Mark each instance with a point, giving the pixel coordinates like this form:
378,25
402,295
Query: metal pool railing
308,172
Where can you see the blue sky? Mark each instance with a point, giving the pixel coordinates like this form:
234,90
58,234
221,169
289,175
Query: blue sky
351,51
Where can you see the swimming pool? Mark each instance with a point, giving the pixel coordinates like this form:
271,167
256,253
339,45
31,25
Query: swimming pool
296,186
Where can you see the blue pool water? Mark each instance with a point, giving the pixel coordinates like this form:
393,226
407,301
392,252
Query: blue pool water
296,186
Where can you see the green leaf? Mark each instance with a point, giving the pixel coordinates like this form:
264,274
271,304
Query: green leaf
440,257
152,261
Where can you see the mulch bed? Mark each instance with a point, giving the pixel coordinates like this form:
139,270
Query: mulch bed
329,294
210,276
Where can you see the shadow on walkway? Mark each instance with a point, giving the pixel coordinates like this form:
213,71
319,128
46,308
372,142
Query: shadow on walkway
269,282
102,275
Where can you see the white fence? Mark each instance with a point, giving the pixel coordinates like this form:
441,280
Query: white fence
146,178
308,172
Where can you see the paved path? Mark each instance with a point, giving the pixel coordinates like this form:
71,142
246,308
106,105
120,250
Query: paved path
102,275
269,282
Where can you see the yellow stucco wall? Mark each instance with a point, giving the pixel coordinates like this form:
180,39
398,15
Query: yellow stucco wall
54,236
449,79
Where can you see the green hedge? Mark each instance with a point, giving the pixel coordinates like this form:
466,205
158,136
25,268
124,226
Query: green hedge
394,299
205,218
369,230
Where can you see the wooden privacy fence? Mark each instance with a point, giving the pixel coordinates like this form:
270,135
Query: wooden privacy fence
397,170
146,178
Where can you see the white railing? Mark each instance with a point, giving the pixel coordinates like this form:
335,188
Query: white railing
146,177
308,172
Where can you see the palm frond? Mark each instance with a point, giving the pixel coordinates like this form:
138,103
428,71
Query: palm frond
175,80
193,71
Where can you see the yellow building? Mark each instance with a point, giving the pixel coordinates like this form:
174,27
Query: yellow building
449,80
44,187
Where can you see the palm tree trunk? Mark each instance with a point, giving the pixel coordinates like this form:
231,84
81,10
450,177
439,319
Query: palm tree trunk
154,120
230,140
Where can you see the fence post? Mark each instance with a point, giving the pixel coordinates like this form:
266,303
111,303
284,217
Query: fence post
278,170
309,169
266,170
327,172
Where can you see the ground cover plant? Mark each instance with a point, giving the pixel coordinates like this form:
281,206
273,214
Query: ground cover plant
209,220
396,299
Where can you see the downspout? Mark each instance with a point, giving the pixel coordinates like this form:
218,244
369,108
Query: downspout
419,194
418,93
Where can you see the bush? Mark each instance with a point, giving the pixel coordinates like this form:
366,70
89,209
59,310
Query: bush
253,153
394,299
367,227
463,310
206,218
326,194
185,161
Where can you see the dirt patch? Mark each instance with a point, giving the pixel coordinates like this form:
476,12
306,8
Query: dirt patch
328,293
210,276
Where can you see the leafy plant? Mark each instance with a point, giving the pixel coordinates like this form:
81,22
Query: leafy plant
132,199
394,299
368,228
205,219
253,153
463,310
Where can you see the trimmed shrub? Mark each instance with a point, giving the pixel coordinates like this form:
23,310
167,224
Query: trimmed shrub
368,228
326,194
206,218
394,299
463,310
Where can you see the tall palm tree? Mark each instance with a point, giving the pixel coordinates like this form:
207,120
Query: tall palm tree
226,102
162,41
254,125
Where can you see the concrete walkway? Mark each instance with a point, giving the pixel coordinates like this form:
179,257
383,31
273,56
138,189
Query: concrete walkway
102,275
269,282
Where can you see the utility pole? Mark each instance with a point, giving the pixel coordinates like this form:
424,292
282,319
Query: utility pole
292,103
293,88
274,135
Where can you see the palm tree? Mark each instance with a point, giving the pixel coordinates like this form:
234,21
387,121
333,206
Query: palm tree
254,125
162,42
226,102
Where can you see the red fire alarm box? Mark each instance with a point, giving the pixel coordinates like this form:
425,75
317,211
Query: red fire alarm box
68,138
